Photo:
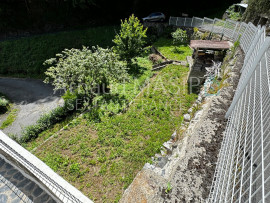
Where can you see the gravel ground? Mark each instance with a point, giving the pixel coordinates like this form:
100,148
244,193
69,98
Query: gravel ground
31,97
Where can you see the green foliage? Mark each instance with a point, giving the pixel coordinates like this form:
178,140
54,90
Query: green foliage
169,188
167,48
232,14
205,35
121,144
10,119
4,103
24,57
255,9
86,72
47,120
180,37
235,46
129,43
195,34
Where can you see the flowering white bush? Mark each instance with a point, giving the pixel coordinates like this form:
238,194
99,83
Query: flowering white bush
83,71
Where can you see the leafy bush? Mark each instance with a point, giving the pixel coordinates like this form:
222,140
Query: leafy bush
232,14
85,71
195,34
180,37
130,41
205,35
3,104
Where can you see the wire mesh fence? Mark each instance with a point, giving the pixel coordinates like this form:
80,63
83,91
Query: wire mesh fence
243,168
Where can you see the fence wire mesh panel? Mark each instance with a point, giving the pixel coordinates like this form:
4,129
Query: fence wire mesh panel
59,191
243,168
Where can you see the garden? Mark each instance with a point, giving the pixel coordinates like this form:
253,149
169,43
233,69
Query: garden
117,111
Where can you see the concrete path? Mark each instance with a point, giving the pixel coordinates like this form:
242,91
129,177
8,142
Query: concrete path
31,97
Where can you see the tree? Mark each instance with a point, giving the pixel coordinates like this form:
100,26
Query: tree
131,39
180,37
85,71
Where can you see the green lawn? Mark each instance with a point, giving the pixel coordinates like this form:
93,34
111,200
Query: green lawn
24,57
101,158
166,47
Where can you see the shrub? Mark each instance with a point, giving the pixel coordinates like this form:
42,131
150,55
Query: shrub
180,37
130,41
47,120
3,105
205,35
195,34
85,71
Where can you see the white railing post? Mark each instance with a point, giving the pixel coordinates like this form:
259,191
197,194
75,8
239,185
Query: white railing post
224,27
232,37
252,46
185,22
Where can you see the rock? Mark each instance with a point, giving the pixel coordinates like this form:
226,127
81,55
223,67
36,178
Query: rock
163,153
174,135
148,166
162,162
168,147
144,188
187,117
190,110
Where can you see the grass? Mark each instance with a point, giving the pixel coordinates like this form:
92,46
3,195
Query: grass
48,133
10,118
102,158
24,57
167,48
115,102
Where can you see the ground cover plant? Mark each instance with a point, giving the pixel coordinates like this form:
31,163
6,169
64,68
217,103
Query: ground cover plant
12,114
101,158
24,57
167,48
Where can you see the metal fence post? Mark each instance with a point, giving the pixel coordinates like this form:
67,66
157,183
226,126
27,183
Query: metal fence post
224,27
234,31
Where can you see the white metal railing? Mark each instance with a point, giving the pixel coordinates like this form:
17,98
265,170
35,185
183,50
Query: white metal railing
229,28
243,169
55,184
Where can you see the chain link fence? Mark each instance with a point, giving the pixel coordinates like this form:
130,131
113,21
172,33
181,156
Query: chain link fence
243,168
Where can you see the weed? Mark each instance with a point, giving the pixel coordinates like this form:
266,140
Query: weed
10,118
169,188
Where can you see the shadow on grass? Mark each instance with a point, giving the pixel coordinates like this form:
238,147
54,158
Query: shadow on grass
176,50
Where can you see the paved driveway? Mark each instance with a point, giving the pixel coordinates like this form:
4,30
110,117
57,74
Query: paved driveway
31,97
